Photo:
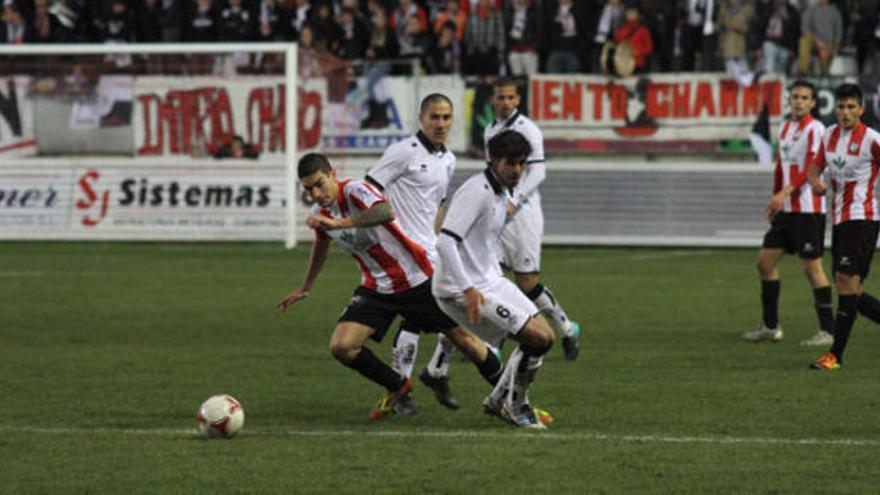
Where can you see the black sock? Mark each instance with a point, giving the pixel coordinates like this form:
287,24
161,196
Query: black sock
770,302
847,310
870,307
491,368
366,363
824,308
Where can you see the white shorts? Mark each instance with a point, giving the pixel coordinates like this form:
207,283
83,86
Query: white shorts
519,246
505,311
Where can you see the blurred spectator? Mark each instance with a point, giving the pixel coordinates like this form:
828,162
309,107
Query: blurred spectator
734,19
821,33
119,24
382,46
444,57
354,39
779,22
698,34
866,23
40,24
638,36
610,21
326,31
415,41
268,20
65,22
454,14
484,40
158,20
523,37
237,148
235,23
405,10
660,17
13,25
565,37
201,23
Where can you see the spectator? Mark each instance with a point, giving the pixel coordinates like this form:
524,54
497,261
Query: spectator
484,40
610,21
565,37
382,46
638,36
779,22
237,148
40,24
698,34
66,22
659,16
235,23
325,30
13,26
119,24
415,41
354,39
523,37
866,22
268,21
201,24
454,14
444,56
148,21
407,9
734,19
821,32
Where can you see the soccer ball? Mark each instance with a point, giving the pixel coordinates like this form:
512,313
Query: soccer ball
221,416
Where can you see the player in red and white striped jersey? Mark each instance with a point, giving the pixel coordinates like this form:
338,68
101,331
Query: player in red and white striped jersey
797,221
850,151
395,278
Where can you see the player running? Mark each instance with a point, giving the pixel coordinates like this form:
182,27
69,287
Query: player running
471,288
395,279
797,222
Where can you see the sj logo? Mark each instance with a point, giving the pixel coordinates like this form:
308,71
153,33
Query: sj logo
93,199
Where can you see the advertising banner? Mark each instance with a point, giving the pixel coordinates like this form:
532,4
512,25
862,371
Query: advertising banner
651,108
16,118
199,116
146,202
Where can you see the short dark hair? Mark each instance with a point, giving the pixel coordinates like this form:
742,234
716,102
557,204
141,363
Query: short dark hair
846,91
801,83
509,145
505,82
432,99
311,163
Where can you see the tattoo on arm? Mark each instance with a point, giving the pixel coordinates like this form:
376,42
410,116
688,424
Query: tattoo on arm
377,214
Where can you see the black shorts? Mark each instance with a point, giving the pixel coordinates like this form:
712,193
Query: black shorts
797,233
417,306
852,247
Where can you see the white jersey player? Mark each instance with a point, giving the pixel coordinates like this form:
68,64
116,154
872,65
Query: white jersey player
797,221
520,243
471,288
414,174
850,151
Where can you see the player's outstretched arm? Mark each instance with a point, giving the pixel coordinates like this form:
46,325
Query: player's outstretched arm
317,257
377,214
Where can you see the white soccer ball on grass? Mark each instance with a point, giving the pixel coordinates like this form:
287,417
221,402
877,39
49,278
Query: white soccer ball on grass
221,416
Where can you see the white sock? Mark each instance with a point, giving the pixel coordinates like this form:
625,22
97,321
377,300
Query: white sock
503,390
403,354
524,378
547,303
438,366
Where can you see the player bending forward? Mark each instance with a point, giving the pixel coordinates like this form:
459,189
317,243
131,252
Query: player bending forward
395,279
470,287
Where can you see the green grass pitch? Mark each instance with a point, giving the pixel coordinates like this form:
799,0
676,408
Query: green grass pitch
106,351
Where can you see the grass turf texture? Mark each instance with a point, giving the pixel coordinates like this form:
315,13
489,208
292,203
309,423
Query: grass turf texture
106,351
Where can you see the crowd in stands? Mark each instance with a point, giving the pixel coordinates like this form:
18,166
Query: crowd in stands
480,37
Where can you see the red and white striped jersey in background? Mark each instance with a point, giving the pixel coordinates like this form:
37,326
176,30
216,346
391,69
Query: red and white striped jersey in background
798,141
852,157
389,260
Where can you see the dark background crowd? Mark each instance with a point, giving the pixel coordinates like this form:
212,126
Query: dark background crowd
485,37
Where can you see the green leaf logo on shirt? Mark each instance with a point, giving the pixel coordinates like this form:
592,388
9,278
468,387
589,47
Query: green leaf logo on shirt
839,163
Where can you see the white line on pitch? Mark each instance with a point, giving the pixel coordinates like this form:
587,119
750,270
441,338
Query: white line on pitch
510,434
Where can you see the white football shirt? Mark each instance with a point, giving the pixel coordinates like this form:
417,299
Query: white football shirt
474,220
414,175
527,189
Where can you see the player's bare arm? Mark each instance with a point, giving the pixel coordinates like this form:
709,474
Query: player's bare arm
318,256
473,301
814,175
377,214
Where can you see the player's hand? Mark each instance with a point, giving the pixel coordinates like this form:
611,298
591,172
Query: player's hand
322,222
297,295
473,300
819,187
777,201
511,208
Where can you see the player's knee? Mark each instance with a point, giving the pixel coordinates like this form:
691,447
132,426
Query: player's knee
540,335
526,281
764,266
342,351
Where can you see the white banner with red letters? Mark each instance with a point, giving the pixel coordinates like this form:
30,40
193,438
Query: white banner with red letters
197,116
174,201
16,118
655,107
